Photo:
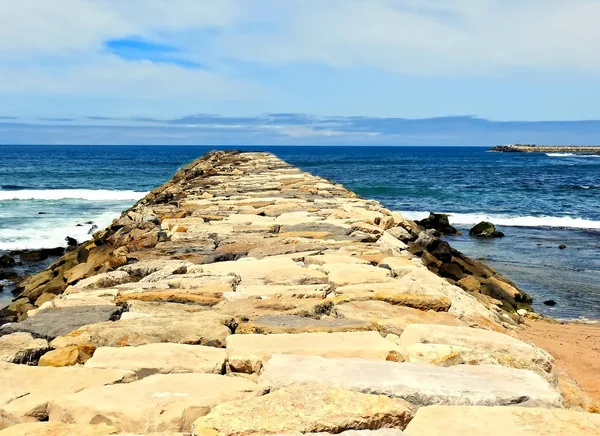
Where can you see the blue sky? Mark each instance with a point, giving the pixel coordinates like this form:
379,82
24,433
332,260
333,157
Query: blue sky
299,71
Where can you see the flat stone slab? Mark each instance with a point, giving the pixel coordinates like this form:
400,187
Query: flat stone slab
50,323
22,348
391,318
298,291
157,403
420,384
58,429
380,432
472,345
26,390
502,421
269,324
165,358
207,328
304,408
247,353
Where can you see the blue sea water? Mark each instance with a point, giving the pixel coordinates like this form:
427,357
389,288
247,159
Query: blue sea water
539,201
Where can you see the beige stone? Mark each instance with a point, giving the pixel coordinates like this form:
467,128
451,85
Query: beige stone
304,408
392,318
274,291
26,390
21,348
247,353
58,429
268,272
344,275
165,358
67,356
501,421
478,346
203,329
157,403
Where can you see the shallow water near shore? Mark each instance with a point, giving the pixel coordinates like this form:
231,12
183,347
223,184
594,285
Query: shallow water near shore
538,201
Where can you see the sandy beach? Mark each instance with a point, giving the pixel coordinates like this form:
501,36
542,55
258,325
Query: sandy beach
576,348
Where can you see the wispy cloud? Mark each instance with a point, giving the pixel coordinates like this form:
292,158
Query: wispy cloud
301,129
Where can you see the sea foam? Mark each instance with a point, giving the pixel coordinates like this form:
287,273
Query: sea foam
52,233
66,194
512,221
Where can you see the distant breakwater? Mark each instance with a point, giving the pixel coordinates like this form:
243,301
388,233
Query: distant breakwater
530,148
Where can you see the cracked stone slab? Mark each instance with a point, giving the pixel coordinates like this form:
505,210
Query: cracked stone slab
420,384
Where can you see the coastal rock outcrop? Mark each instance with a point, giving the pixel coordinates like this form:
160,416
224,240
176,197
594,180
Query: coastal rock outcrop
246,296
438,222
485,229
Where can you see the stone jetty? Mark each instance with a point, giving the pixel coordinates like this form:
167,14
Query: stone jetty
531,148
247,297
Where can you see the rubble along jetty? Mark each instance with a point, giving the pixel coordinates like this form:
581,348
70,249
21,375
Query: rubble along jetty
530,148
246,296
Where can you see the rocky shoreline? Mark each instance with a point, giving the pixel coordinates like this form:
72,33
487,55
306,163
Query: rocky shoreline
247,296
531,148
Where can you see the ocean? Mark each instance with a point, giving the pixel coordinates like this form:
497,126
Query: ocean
539,201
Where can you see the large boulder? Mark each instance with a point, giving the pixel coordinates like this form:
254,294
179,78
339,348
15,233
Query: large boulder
50,323
204,329
304,408
22,348
247,353
169,402
501,421
165,358
420,384
6,260
485,229
438,222
432,344
26,390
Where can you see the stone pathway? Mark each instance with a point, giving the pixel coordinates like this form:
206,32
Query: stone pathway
246,297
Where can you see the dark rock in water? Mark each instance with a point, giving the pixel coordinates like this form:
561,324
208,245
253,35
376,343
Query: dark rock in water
550,303
79,225
7,260
441,250
33,256
451,271
89,223
8,274
92,229
56,251
438,222
562,246
71,242
41,213
485,229
50,323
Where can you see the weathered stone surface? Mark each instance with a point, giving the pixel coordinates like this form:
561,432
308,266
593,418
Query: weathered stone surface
58,429
104,280
50,323
268,272
420,384
22,348
248,309
475,346
304,408
67,356
389,318
165,358
348,274
157,403
299,324
26,390
205,329
298,291
247,353
501,421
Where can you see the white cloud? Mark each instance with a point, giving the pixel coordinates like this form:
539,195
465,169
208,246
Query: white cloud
56,46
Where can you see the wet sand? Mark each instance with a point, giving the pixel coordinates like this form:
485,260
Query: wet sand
576,348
